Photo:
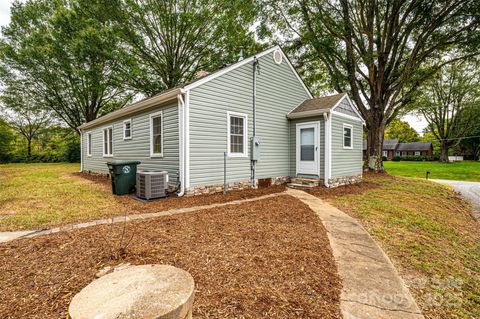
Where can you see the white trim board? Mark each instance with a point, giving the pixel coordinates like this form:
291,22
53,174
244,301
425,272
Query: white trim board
244,154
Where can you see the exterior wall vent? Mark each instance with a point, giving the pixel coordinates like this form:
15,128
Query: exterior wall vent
277,56
152,184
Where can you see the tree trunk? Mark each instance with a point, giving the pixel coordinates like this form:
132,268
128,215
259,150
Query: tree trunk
29,149
444,152
375,134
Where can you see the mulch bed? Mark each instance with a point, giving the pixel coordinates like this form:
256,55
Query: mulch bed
173,201
264,259
359,188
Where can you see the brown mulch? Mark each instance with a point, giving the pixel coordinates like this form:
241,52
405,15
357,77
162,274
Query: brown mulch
359,188
264,259
173,201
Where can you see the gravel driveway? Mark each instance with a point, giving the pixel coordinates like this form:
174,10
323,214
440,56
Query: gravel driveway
469,190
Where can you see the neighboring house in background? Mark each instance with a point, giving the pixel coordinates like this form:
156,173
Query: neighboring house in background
388,149
186,130
393,148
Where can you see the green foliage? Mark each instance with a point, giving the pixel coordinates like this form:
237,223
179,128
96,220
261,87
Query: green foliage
68,54
174,39
6,139
401,130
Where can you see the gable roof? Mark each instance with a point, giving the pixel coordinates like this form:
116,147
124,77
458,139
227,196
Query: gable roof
171,94
388,145
414,146
319,103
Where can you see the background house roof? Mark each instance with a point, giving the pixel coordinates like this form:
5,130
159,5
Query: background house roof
388,145
414,146
320,103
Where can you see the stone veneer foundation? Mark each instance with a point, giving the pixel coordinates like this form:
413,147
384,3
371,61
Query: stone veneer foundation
218,188
344,180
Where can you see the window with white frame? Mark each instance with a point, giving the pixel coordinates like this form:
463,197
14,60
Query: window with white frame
127,129
156,134
397,153
108,141
347,136
384,153
89,144
417,153
237,134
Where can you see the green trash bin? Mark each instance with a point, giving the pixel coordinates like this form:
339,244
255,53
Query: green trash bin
123,175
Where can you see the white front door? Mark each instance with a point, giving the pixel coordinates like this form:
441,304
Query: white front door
307,148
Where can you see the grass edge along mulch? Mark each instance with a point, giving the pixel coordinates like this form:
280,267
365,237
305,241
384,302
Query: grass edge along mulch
428,232
38,196
269,258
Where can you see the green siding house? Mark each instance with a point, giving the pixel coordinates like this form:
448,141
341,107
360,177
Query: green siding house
257,112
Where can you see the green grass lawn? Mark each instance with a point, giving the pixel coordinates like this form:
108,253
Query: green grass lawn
34,196
428,232
460,171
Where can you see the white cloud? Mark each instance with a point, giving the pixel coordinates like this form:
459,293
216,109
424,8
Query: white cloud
417,122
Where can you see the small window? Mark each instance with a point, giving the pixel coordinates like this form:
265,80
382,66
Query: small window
384,153
417,153
397,153
347,136
89,144
108,141
156,135
237,134
127,129
404,153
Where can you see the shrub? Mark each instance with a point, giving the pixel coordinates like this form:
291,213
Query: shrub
396,159
384,158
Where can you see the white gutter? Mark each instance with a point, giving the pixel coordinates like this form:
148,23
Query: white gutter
81,151
181,167
328,139
133,108
186,146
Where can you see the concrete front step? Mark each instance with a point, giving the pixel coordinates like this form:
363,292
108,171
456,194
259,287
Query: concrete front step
305,181
301,186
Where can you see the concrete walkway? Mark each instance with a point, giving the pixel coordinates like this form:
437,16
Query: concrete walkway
372,288
469,190
8,236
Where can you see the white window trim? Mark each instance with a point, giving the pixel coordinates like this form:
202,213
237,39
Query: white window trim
103,139
131,131
419,153
245,135
89,147
152,116
385,153
351,136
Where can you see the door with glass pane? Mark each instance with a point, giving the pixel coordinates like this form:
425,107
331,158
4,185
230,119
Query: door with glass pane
307,148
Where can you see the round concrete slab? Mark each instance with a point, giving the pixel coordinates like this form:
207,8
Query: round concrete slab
148,291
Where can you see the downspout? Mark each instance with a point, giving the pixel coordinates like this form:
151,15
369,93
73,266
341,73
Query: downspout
181,150
326,165
253,162
81,151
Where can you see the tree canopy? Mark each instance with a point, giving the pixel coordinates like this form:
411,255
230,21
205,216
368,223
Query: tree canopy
379,51
401,130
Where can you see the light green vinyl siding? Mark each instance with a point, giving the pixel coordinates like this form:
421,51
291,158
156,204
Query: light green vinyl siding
278,92
293,143
346,162
138,147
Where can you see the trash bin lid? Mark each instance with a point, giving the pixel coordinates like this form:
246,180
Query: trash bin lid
120,162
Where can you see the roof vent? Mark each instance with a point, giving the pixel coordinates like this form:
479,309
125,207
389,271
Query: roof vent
277,56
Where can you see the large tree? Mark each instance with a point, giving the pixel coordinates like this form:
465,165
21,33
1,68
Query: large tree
69,54
174,39
376,49
6,138
401,130
450,102
24,113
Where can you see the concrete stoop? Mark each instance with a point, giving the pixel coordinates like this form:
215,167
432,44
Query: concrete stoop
372,288
303,183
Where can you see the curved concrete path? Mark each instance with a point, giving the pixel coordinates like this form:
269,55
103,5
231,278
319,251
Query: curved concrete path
469,190
372,288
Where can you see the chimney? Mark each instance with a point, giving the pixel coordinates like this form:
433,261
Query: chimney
201,74
241,54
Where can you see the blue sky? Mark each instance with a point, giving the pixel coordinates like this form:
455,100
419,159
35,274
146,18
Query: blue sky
417,123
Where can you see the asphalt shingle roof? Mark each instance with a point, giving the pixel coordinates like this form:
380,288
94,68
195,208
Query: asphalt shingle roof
320,103
388,145
414,146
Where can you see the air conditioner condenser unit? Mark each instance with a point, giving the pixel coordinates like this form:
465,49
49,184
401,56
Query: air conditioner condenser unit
151,184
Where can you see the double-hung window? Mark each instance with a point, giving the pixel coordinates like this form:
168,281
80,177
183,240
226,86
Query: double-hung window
384,153
108,141
89,144
237,125
347,136
127,129
156,134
